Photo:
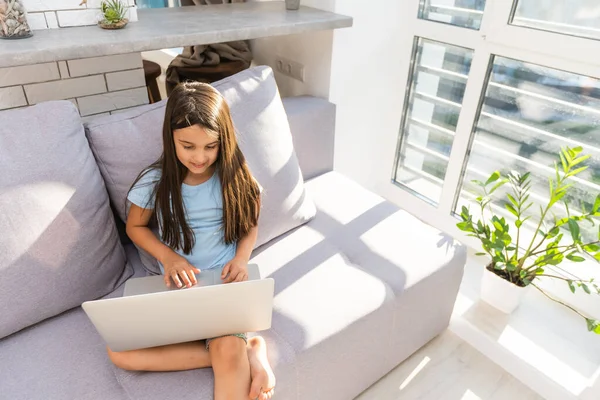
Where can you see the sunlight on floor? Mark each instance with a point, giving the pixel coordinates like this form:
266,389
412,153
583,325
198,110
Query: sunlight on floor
414,373
448,369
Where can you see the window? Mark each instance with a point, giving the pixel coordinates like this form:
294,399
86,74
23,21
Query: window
465,13
436,94
529,112
571,17
497,85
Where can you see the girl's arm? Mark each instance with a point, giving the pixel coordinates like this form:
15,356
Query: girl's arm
237,269
246,244
176,267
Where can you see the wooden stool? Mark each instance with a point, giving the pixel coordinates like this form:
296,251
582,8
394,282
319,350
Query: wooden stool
151,73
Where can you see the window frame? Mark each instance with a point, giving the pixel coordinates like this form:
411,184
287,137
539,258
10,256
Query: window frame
496,37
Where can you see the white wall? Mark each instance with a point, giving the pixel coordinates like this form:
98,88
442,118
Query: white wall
312,49
367,70
359,69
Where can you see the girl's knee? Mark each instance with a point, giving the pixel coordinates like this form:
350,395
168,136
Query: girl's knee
228,350
122,359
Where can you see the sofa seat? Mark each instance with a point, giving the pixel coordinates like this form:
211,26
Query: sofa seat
357,290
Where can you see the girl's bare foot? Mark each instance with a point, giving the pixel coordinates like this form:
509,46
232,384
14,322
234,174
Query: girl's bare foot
263,379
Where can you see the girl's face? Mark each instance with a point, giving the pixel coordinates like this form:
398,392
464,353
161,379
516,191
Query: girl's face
196,149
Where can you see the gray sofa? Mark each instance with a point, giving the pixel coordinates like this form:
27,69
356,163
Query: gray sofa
359,288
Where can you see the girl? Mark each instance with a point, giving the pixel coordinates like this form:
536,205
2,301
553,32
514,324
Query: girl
206,204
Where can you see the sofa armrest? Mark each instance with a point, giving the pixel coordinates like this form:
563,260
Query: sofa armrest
312,122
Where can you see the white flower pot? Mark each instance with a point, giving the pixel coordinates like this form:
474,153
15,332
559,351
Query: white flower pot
500,293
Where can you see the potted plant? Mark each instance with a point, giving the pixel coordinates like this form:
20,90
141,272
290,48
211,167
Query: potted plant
518,259
113,14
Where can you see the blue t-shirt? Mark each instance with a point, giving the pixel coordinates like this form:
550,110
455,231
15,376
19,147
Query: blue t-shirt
204,211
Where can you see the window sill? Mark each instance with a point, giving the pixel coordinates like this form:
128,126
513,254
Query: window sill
544,345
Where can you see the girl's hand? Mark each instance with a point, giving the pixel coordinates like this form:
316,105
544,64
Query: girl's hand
235,270
180,271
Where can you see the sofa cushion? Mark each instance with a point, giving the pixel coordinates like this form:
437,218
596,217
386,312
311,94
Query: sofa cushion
359,288
59,246
62,358
126,143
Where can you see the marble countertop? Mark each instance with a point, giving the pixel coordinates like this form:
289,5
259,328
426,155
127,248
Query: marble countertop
169,28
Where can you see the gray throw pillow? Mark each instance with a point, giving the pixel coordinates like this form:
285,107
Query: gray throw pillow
58,242
124,144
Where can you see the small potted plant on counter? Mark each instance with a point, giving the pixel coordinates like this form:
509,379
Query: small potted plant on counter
519,259
113,14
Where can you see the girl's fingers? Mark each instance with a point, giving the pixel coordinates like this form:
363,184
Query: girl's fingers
175,278
192,275
225,271
233,275
185,278
167,280
241,277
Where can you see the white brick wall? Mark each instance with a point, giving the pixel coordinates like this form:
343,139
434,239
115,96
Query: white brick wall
77,18
52,5
51,20
37,21
28,74
112,101
44,14
64,70
96,86
125,80
11,97
65,89
98,65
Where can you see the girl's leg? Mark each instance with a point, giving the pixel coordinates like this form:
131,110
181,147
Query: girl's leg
192,355
263,379
173,357
230,364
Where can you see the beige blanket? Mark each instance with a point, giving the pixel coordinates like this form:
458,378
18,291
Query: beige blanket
196,56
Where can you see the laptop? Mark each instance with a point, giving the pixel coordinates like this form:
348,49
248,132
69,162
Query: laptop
149,314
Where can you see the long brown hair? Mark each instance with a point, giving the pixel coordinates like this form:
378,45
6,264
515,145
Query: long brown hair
195,103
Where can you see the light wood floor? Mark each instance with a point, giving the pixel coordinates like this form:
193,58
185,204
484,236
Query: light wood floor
448,369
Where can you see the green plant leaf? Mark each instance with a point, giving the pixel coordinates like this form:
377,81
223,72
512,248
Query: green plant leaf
493,178
571,286
574,229
497,185
576,171
591,247
556,259
563,189
512,200
512,209
553,232
574,257
596,205
465,226
597,256
581,159
481,254
563,161
478,183
586,288
593,325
